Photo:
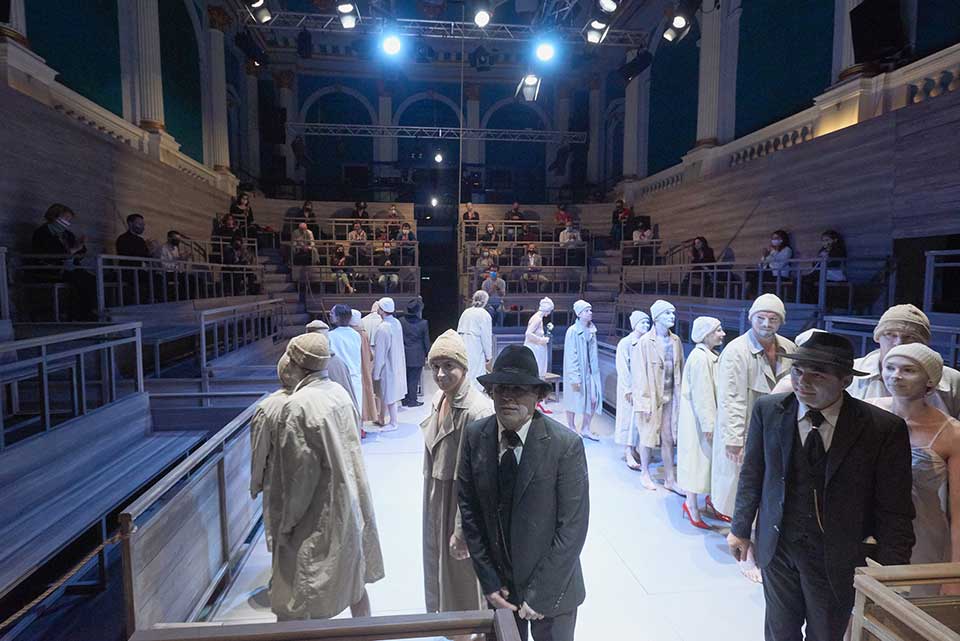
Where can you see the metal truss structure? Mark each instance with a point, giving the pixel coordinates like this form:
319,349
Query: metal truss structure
451,133
285,21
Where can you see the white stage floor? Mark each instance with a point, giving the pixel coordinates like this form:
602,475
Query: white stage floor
649,574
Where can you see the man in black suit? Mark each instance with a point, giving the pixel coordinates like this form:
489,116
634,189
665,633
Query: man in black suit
822,473
524,502
416,346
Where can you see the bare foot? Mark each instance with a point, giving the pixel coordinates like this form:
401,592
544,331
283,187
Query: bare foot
648,482
389,427
673,487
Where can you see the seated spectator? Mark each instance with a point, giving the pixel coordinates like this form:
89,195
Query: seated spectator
831,246
496,288
774,262
243,213
643,237
357,234
389,276
619,221
570,235
307,216
529,234
304,246
341,258
561,217
407,252
533,269
358,239
55,238
698,253
172,255
571,242
514,215
228,226
514,212
360,211
471,224
486,261
131,242
382,233
236,255
490,234
393,213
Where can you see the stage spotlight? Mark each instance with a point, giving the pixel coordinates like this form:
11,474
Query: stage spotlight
545,51
635,67
482,17
434,201
438,158
348,20
529,87
679,20
257,4
346,7
596,29
392,45
608,6
480,59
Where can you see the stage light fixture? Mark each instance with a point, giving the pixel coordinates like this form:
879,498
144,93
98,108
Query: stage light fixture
608,6
346,7
438,158
257,4
392,45
348,20
679,21
482,17
262,15
529,87
545,51
434,201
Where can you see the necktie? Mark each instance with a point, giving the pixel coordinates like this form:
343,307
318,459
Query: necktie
813,448
507,481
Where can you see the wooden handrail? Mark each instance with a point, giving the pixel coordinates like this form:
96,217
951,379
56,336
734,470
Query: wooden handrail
234,308
904,611
63,337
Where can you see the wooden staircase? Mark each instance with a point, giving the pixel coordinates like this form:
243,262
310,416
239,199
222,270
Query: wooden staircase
278,283
602,289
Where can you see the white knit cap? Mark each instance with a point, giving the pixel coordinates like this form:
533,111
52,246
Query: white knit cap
769,303
702,326
450,345
904,317
355,317
386,304
637,316
317,326
581,306
287,374
546,305
803,337
310,351
660,307
928,359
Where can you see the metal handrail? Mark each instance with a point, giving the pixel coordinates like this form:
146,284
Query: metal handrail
937,260
218,244
360,252
558,281
237,325
311,275
504,253
849,326
73,358
509,230
338,228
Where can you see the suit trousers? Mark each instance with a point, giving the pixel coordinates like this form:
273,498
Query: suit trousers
797,591
413,383
558,628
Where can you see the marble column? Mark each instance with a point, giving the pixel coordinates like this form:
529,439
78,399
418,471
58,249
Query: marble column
719,47
385,147
471,147
636,120
219,21
284,83
16,28
559,152
252,150
150,78
843,58
595,145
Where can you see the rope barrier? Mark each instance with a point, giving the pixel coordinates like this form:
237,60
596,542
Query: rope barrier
19,614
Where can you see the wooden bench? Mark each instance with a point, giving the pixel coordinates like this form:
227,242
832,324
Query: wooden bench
56,487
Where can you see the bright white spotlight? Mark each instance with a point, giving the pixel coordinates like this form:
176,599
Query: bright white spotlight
348,20
482,18
346,7
679,21
670,34
262,15
434,202
608,6
545,51
438,158
599,25
529,87
530,79
594,37
257,4
391,45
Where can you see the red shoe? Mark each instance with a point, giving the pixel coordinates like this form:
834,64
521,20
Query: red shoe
715,513
698,523
543,409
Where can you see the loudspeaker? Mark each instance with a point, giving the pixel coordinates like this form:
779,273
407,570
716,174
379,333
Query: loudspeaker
635,67
878,30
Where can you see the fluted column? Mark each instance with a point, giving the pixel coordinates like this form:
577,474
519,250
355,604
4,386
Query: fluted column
219,21
636,119
719,47
843,59
150,77
595,146
471,148
252,150
283,81
16,26
558,154
386,146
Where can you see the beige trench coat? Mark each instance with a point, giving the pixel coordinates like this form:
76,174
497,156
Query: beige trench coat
743,375
263,458
369,410
327,548
448,584
625,432
698,415
647,366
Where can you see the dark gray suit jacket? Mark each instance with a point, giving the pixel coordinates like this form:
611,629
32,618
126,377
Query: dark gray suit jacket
416,340
867,493
551,506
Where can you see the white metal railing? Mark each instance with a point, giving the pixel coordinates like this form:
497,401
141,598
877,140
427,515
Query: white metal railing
641,252
339,228
944,338
234,326
318,281
4,286
546,280
213,250
514,254
355,253
938,262
533,231
29,363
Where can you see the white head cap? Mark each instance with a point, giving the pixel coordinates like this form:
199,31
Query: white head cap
660,307
636,317
581,306
768,303
355,317
386,304
702,326
546,305
930,361
317,326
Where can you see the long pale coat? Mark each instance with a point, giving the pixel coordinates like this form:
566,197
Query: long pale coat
347,344
698,416
626,426
368,409
264,450
743,375
581,365
327,547
370,323
389,362
448,584
537,340
947,398
476,330
649,357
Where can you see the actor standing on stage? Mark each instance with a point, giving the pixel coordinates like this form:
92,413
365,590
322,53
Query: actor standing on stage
822,472
525,502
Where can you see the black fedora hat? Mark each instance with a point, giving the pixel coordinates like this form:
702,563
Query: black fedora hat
516,365
824,348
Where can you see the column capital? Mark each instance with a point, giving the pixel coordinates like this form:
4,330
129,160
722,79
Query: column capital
6,33
252,68
472,91
284,79
218,18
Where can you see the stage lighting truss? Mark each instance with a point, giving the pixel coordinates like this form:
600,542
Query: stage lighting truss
278,30
443,133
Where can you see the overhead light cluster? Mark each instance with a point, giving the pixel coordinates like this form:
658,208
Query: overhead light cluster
601,17
258,9
679,20
482,14
349,14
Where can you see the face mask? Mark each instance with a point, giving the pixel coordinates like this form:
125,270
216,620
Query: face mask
64,222
776,242
174,241
493,274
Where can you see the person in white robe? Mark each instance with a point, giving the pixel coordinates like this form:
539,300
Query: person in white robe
347,345
626,423
264,448
326,548
372,321
698,415
582,391
537,339
389,364
337,370
476,329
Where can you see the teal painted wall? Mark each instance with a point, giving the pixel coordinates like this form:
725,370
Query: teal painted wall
674,80
784,61
180,61
938,25
81,40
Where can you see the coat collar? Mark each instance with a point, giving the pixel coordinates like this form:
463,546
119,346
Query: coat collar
845,435
712,355
309,379
533,449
